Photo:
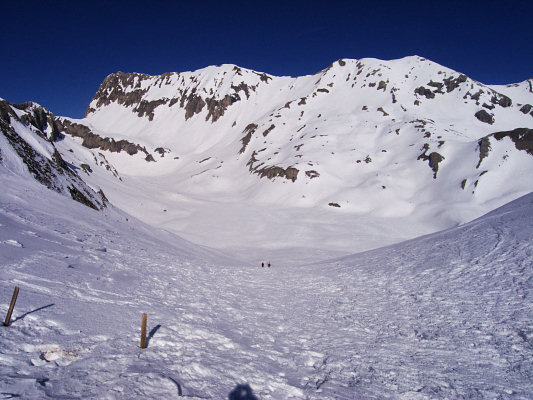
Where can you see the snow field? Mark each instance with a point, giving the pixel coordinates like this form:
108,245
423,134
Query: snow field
443,316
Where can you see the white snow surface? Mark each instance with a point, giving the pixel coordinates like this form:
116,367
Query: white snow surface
447,315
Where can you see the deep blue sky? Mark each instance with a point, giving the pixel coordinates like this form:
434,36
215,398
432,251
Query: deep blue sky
57,52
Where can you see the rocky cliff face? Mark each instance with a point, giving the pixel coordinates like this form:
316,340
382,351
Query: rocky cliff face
30,132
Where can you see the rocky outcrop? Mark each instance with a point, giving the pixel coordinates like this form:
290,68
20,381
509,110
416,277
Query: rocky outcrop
54,172
93,141
248,131
112,90
192,103
216,108
501,100
126,89
526,108
272,172
427,93
434,159
484,116
452,83
147,107
484,149
521,137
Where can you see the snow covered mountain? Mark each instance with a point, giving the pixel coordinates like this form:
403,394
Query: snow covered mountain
380,150
289,170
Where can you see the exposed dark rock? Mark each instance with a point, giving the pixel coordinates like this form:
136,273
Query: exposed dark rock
249,131
52,173
342,63
149,158
451,83
490,107
382,85
113,88
6,112
147,107
193,104
105,201
484,116
268,130
264,77
501,100
385,114
475,96
526,108
216,108
86,168
463,184
522,138
434,160
484,149
422,91
36,117
244,87
272,172
77,195
323,90
312,174
162,151
438,85
334,205
94,141
393,94
302,101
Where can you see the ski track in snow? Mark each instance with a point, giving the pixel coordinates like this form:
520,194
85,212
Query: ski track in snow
443,316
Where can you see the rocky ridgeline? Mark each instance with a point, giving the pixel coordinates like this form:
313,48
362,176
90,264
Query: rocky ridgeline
52,172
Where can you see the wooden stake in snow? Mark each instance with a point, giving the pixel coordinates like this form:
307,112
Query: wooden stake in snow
11,306
143,332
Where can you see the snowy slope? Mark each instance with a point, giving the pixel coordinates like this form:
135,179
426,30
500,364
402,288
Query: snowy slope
362,154
443,316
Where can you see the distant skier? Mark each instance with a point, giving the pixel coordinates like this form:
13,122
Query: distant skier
262,265
268,265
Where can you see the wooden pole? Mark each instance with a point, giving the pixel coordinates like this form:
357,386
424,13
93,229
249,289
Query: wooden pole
11,306
143,332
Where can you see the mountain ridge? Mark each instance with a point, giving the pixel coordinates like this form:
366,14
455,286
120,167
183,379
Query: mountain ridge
405,140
